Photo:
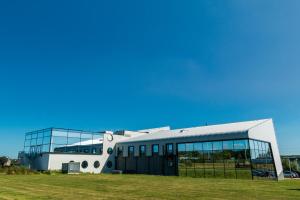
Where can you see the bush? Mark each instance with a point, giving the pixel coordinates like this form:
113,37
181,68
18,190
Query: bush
19,170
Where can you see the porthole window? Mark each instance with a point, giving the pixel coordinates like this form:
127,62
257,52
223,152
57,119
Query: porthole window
109,164
110,150
84,164
96,164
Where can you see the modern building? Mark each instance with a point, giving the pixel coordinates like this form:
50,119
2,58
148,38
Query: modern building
246,150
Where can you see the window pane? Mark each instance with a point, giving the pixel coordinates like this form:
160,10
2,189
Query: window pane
60,133
169,148
198,146
181,160
39,141
217,145
251,142
189,147
240,144
255,144
181,147
131,150
46,140
59,140
28,136
142,150
74,141
155,148
228,144
207,146
47,133
40,134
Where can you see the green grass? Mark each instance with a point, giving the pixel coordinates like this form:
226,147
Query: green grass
141,187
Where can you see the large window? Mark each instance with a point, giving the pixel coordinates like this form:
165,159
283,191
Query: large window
226,159
63,141
262,160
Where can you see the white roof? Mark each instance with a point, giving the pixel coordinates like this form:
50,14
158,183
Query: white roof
199,131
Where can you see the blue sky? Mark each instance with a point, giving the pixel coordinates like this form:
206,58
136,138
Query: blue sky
98,65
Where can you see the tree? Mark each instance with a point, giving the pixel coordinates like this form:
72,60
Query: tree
286,165
3,160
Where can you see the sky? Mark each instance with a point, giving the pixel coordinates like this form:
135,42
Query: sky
109,65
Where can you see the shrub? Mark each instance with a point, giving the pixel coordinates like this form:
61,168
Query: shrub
19,170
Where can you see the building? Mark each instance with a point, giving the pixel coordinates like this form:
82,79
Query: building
292,161
236,150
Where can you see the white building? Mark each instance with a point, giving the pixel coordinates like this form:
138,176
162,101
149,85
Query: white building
235,150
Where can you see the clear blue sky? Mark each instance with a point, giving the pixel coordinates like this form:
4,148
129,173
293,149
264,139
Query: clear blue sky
98,65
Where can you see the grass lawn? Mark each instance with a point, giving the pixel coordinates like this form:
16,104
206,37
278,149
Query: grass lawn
141,187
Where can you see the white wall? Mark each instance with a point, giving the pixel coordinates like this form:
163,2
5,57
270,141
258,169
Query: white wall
56,160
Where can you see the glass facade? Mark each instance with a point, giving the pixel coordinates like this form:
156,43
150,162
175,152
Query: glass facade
63,141
241,159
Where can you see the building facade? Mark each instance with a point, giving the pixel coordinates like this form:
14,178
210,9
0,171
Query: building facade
243,150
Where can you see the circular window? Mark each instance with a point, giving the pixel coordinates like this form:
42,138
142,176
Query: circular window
97,164
109,164
110,137
110,150
84,164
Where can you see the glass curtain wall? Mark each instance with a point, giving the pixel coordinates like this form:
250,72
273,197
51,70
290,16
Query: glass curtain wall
262,160
226,159
63,141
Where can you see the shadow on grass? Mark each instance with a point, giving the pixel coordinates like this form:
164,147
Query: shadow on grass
294,189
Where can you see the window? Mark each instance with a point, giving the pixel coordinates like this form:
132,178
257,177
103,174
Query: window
96,164
169,149
110,150
229,159
131,151
262,160
155,149
86,150
142,150
109,164
240,144
84,164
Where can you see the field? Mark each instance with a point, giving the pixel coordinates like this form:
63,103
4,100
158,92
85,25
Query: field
141,187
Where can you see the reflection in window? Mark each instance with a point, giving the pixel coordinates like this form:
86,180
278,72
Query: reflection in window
142,150
169,149
63,141
155,149
229,159
262,160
